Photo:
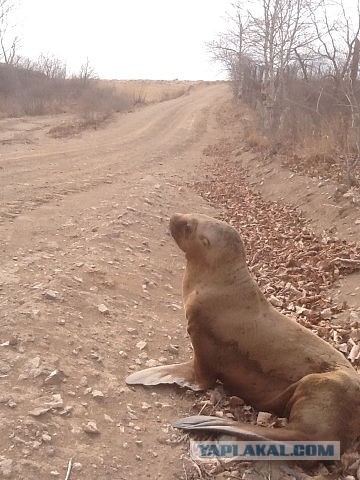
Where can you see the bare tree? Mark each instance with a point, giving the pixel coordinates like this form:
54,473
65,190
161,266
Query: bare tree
282,30
354,67
353,97
25,63
259,48
336,34
338,48
8,42
297,62
51,66
87,72
230,47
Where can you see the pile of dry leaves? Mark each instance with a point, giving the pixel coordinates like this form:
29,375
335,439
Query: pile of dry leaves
338,168
293,266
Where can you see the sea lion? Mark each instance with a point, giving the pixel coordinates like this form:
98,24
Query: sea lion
259,354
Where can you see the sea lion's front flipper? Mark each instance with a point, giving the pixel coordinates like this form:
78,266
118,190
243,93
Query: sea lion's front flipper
215,424
180,373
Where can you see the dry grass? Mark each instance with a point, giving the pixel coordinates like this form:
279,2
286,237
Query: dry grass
28,92
324,153
255,139
75,127
151,91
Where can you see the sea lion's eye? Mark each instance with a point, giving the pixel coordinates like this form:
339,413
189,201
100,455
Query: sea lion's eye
205,241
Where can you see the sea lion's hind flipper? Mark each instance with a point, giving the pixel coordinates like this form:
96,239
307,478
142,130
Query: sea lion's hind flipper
180,373
215,424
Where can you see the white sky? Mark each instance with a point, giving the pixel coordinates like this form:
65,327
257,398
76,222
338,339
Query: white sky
125,39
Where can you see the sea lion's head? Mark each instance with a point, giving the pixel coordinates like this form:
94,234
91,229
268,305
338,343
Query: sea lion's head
206,239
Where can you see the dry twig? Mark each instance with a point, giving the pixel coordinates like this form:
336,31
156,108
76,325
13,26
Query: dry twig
68,473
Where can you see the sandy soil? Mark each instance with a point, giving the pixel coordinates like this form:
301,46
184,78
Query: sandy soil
90,290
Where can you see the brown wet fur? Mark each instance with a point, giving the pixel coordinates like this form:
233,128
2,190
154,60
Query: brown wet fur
266,358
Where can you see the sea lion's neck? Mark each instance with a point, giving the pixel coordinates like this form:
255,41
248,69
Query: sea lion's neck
234,277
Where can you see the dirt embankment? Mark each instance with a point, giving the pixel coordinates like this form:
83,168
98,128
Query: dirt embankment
90,289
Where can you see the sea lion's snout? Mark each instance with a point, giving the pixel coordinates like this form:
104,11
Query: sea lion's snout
181,228
175,221
180,225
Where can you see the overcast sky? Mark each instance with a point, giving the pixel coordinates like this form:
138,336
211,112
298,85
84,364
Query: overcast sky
125,39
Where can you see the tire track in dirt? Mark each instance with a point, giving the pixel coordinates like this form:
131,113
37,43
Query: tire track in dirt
29,181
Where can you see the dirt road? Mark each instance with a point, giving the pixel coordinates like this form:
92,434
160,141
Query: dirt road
90,288
90,282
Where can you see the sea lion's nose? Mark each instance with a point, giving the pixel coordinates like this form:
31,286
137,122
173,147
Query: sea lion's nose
177,222
175,218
